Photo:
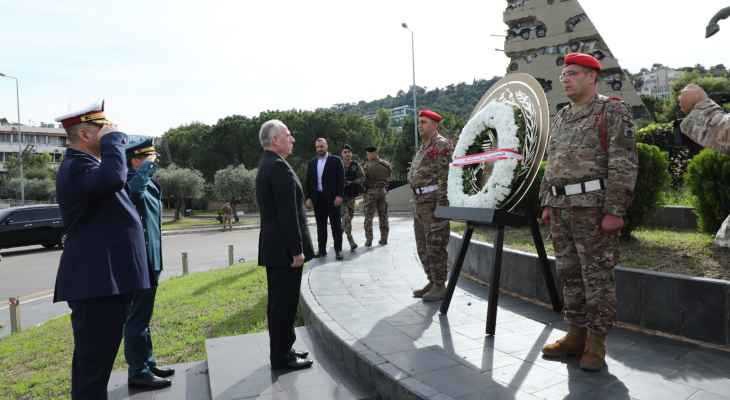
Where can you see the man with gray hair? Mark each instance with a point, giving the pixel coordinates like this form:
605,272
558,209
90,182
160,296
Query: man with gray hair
284,242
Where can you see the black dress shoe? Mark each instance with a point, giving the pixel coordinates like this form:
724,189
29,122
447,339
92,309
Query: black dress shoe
338,256
299,354
383,242
148,381
292,365
162,372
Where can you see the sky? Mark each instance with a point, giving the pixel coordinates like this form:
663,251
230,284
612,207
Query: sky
160,64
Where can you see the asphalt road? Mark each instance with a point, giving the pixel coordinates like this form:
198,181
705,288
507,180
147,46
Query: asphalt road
30,272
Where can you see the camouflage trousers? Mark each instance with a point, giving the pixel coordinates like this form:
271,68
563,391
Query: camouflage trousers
374,200
348,211
432,237
585,260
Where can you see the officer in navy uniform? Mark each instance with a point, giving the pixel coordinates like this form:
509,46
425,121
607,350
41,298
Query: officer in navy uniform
146,195
104,260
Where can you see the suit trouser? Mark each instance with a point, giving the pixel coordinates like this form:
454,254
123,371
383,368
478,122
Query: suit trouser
281,310
98,325
137,335
325,209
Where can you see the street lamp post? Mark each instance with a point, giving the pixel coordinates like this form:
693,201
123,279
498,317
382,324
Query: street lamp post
413,88
20,138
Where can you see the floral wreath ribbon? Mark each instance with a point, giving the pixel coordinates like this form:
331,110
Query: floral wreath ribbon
490,156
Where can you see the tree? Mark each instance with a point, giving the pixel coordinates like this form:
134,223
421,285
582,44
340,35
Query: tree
184,145
181,184
236,185
39,181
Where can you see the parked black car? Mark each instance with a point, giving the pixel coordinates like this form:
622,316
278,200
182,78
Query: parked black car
29,225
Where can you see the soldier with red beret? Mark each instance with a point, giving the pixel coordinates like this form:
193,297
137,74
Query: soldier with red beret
587,188
428,177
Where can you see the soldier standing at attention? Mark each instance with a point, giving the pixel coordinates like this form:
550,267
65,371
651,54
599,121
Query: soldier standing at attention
588,186
428,176
354,179
377,175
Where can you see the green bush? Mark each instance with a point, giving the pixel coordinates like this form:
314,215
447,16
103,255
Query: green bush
653,178
708,178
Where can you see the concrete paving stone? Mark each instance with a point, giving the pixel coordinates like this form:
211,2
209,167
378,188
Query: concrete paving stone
485,359
578,386
702,395
189,382
393,371
526,377
707,382
456,381
499,393
419,330
389,344
450,341
405,317
417,387
422,360
647,386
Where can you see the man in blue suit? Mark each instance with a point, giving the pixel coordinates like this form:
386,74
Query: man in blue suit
146,195
104,260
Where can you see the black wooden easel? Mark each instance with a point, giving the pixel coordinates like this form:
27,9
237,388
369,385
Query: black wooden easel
475,217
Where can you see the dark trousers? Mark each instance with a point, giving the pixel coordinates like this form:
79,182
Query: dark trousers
137,335
281,311
98,325
325,209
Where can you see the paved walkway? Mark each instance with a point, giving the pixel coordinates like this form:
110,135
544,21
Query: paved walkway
366,301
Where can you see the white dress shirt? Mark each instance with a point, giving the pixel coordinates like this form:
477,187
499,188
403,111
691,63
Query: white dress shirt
321,161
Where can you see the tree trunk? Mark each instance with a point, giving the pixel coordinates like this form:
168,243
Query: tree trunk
180,205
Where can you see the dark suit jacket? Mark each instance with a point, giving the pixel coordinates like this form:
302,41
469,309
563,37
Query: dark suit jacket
284,233
333,179
104,253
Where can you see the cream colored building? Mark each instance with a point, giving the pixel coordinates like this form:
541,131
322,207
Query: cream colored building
45,139
541,32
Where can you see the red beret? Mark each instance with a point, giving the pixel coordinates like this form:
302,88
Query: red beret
585,60
430,115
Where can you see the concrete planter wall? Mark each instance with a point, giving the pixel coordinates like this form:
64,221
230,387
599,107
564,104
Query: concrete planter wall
695,308
678,217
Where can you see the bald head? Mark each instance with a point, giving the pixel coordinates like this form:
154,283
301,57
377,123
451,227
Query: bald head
690,96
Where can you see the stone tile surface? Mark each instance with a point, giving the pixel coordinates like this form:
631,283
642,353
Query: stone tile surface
429,355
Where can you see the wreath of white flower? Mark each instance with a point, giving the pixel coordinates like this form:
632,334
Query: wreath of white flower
501,118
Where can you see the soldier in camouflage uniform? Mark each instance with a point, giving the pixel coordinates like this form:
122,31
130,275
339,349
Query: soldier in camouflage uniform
377,175
706,122
588,186
708,125
428,177
354,179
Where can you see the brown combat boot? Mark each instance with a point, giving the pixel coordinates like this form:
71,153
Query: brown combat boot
594,355
572,344
437,293
418,293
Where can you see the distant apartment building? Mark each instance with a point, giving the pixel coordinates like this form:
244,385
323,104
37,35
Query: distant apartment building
658,82
43,139
397,114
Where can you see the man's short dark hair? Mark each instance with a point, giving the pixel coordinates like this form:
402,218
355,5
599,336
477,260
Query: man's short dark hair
346,147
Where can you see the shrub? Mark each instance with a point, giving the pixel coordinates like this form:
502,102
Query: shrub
653,178
708,178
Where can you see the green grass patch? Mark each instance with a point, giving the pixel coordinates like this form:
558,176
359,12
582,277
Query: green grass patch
36,363
677,197
664,250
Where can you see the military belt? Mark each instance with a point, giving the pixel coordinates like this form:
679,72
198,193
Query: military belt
579,188
425,189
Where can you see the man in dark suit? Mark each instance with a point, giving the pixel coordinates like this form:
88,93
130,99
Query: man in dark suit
284,243
325,189
104,260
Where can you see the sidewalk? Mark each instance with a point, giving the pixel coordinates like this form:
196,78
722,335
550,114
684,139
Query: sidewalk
363,308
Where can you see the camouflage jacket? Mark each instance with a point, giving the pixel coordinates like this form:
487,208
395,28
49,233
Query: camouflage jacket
377,173
354,179
708,125
577,153
430,166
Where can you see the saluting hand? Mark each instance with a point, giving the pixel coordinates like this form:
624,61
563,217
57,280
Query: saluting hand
298,261
106,129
